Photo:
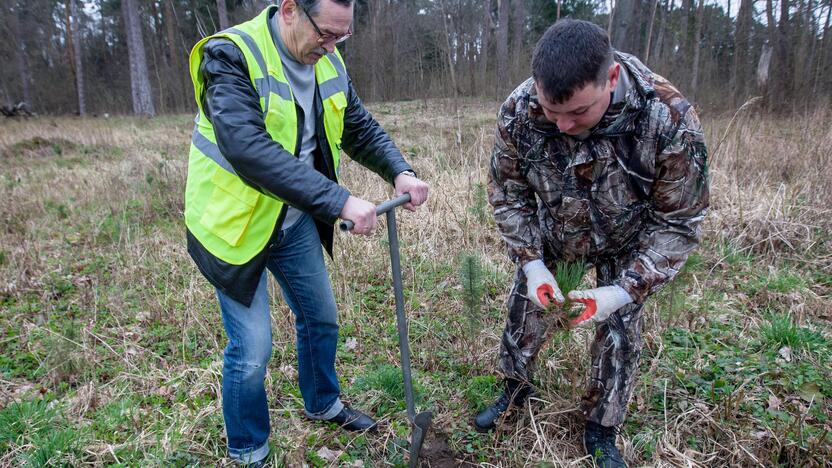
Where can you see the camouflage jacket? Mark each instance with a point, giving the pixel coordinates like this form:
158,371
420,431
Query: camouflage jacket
635,189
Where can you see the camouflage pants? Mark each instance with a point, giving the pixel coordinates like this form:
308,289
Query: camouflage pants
615,351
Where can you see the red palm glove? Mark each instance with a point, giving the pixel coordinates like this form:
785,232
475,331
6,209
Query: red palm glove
600,303
541,285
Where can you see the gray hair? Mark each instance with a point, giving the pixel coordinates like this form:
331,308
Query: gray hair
312,6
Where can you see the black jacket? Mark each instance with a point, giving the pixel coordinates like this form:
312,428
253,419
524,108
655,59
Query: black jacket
232,105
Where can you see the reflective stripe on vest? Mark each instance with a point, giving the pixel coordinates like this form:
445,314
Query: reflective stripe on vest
232,220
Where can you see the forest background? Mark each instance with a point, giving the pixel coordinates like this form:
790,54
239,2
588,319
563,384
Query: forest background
123,56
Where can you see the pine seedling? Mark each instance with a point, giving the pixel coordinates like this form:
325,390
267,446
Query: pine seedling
479,207
568,276
470,276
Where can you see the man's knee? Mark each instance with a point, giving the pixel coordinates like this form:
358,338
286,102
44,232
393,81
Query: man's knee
252,349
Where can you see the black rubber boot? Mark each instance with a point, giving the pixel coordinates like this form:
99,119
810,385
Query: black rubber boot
515,393
599,442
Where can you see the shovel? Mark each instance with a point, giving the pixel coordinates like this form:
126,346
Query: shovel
420,422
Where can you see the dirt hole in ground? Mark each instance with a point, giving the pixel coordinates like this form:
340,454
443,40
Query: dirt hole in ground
436,453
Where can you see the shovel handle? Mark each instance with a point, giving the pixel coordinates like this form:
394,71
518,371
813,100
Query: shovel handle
381,208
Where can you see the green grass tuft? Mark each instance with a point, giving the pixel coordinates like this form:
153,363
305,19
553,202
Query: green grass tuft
481,392
386,383
781,330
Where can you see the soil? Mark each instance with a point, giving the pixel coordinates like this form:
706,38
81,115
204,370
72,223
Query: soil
436,453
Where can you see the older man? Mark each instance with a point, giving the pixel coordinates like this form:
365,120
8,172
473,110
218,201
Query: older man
276,107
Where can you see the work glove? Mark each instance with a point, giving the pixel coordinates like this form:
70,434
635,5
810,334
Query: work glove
541,286
599,303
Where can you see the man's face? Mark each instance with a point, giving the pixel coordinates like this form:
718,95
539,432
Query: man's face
312,37
584,109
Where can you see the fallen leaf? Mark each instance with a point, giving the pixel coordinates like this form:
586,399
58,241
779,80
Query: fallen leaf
810,392
760,435
786,353
774,403
329,455
351,344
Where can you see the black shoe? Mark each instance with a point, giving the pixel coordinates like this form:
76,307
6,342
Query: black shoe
486,420
599,442
354,420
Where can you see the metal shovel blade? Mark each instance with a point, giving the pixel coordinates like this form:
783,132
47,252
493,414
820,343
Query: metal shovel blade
421,424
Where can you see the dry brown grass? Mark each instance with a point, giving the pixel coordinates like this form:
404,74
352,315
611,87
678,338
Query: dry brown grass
100,305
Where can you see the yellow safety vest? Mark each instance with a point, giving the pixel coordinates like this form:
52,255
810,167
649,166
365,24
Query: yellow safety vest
231,219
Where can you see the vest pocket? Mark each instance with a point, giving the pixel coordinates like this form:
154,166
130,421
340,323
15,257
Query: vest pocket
229,208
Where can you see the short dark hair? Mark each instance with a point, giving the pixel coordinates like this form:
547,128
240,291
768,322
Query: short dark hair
312,5
571,54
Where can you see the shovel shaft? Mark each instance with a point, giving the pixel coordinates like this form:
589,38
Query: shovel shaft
395,266
419,422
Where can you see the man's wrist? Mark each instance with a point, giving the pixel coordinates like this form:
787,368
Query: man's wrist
621,294
407,172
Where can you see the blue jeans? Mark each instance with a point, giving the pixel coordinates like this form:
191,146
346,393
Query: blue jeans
297,263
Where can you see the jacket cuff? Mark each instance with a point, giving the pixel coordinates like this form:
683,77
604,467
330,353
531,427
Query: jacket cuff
396,168
631,286
339,200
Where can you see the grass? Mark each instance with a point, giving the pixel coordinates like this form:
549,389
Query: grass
111,341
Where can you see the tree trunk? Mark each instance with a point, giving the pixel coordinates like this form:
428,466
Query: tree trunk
178,72
375,9
663,27
682,57
626,29
771,42
23,71
222,11
613,7
782,65
70,49
485,39
518,50
450,55
742,48
824,48
502,48
806,50
74,39
139,81
650,31
694,80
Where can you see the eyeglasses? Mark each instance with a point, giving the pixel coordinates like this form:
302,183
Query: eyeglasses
325,38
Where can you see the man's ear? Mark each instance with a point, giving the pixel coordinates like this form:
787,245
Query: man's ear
288,11
613,74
